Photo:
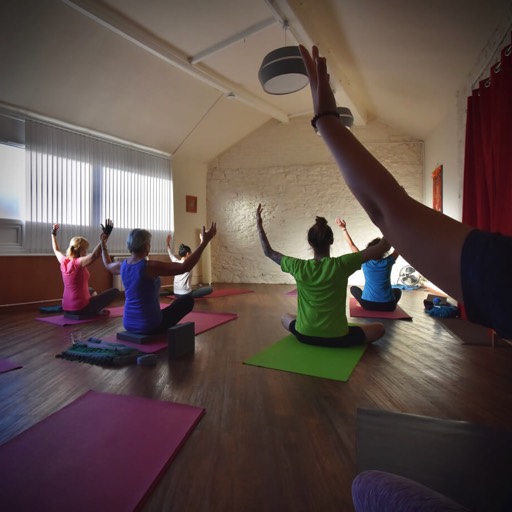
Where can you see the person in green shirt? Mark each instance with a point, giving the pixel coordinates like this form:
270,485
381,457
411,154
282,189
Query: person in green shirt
322,289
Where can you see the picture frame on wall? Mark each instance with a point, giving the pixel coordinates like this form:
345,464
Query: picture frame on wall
437,188
191,204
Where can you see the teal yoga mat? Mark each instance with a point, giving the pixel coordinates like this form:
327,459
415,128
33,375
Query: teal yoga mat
290,355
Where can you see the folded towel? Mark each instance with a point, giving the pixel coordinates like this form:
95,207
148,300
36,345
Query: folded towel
444,311
97,352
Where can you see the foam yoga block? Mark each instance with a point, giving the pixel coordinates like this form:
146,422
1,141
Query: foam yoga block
137,338
73,316
181,339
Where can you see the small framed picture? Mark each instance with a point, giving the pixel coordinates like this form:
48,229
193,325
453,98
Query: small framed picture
191,204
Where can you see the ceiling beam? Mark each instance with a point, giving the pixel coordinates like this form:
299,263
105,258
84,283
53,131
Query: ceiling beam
136,34
295,13
254,29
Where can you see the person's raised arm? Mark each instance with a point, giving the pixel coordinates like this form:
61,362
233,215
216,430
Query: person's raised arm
375,252
265,244
55,244
90,258
163,268
168,243
206,236
114,267
343,225
417,231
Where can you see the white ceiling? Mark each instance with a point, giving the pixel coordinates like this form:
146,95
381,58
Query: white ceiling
124,67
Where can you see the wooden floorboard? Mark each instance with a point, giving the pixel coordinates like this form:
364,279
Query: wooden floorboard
270,440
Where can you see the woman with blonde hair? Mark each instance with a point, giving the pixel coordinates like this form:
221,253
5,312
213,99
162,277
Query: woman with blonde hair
77,298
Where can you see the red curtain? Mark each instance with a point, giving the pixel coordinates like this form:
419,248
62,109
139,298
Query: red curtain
487,202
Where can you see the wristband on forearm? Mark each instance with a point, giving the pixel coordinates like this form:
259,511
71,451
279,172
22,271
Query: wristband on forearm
316,117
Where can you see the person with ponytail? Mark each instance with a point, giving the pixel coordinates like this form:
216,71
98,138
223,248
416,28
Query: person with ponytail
79,298
182,282
322,289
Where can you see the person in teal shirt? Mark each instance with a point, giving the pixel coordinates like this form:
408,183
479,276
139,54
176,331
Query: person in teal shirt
377,294
322,289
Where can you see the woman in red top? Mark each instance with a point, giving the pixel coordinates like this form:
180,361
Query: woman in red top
77,298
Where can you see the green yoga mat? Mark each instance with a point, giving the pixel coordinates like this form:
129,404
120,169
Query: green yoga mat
289,355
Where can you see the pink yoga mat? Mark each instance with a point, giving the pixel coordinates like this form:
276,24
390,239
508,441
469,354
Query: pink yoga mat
7,366
101,452
358,312
203,322
292,293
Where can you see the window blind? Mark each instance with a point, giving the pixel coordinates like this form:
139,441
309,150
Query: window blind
78,181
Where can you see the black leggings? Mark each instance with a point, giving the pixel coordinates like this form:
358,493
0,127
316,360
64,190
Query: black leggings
98,302
376,306
173,313
355,336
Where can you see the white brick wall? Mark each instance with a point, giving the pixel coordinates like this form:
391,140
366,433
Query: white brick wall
289,170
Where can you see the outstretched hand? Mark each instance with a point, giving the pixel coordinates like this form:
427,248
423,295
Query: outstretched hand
341,223
208,234
55,228
108,227
321,91
259,220
168,241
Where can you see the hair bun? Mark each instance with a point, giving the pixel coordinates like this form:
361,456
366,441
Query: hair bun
182,247
321,221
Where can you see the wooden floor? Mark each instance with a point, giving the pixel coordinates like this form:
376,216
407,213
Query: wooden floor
270,440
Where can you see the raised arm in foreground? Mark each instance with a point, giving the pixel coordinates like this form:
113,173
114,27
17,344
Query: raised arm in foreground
417,232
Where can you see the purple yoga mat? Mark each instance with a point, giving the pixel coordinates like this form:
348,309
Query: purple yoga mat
292,293
7,366
62,320
357,311
203,322
101,452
